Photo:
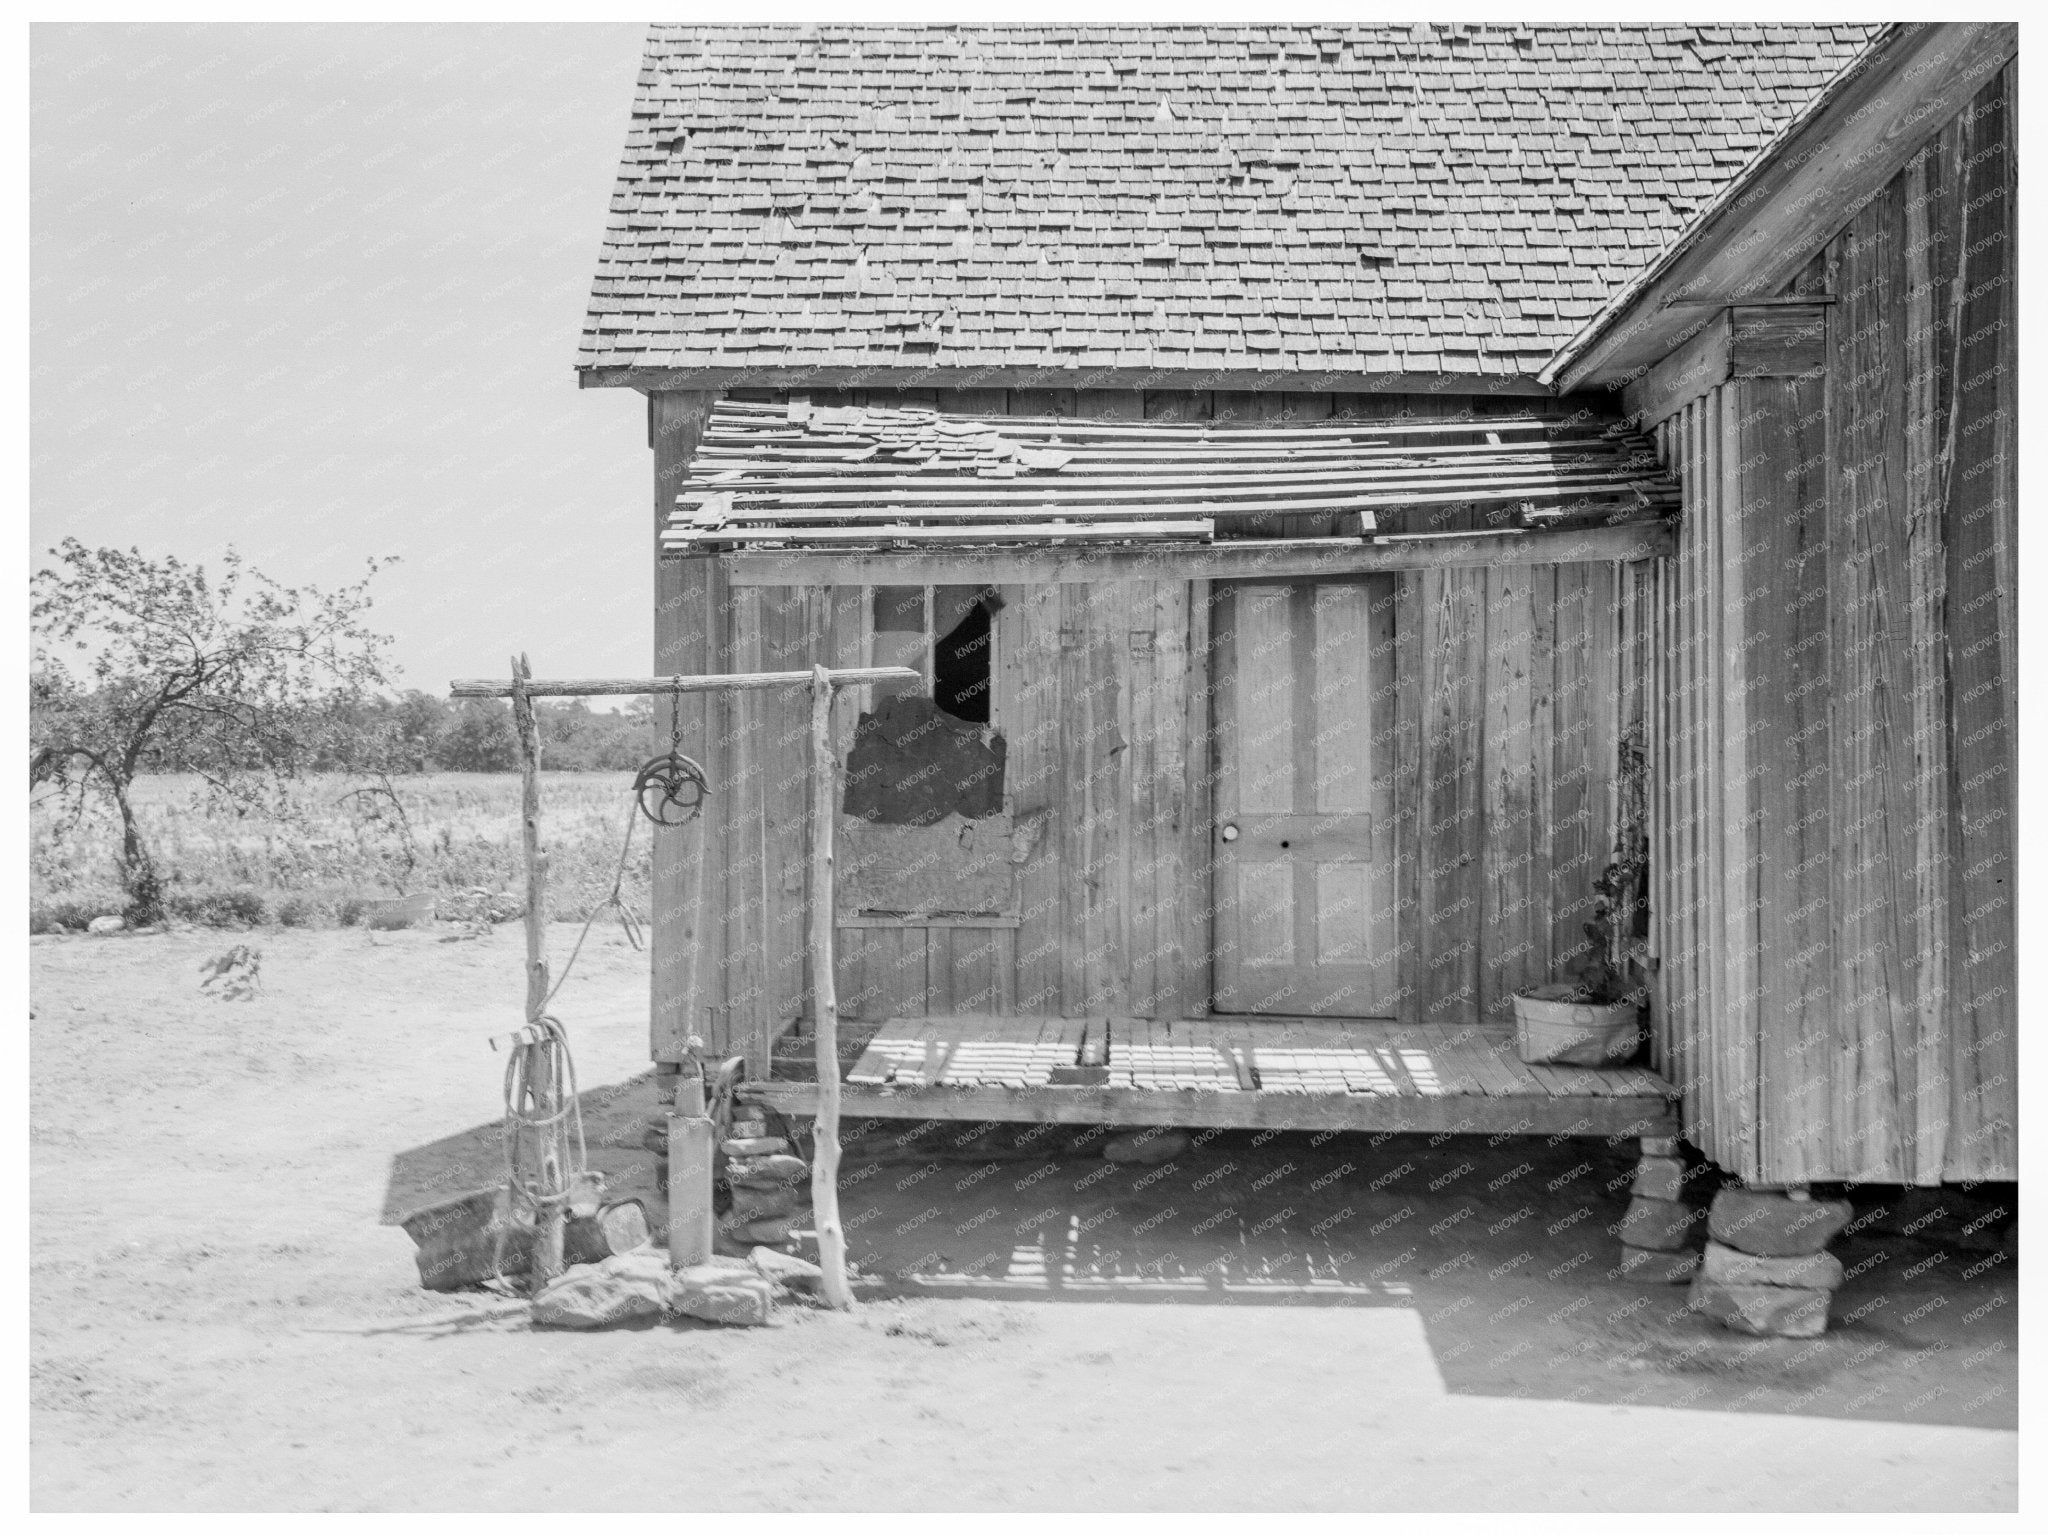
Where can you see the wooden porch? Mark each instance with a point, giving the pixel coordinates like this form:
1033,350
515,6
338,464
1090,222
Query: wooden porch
1274,1073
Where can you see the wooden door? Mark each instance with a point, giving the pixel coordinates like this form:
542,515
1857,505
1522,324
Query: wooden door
1304,887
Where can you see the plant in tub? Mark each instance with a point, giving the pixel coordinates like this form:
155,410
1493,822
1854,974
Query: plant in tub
1595,1019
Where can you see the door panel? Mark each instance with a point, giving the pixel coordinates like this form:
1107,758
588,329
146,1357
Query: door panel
1305,859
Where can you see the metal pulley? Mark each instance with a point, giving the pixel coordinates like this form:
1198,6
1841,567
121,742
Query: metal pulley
671,788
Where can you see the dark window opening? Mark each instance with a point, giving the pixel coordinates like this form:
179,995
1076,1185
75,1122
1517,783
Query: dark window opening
961,665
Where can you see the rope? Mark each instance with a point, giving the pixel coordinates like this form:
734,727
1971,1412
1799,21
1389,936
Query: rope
629,923
538,1121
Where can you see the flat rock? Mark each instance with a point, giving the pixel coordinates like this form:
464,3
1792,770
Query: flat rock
766,1172
1763,1311
786,1270
104,925
728,1264
736,1296
1659,1178
1663,1224
1809,1271
1769,1225
769,1231
623,1287
1648,1265
1146,1146
754,1146
752,1204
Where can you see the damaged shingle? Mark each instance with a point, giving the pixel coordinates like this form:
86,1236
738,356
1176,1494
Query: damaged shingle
789,201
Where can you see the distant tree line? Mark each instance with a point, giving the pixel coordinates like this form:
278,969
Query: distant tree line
411,732
417,732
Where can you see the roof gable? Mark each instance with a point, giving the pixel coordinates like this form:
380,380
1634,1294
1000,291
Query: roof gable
1750,241
1356,201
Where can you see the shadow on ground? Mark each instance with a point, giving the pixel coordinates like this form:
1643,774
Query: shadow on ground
1504,1247
613,1118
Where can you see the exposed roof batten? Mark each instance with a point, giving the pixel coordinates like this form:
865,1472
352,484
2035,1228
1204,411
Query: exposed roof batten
798,476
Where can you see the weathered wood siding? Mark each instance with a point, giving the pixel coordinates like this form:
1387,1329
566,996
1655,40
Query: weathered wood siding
1830,693
1502,733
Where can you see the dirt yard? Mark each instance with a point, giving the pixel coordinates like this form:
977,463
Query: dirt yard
226,1317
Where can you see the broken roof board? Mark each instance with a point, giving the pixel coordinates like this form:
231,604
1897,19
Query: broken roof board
797,476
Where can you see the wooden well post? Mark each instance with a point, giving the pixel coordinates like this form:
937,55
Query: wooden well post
825,1000
824,774
539,1063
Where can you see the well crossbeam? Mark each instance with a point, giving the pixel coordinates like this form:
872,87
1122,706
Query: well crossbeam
820,681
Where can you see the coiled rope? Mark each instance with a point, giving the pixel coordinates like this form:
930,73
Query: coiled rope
535,1125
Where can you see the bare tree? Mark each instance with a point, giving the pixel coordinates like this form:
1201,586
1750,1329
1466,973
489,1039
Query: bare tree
148,665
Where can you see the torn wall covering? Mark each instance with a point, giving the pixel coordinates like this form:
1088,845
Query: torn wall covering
924,831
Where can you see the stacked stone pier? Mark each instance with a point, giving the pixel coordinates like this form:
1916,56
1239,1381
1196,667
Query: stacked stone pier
1767,1270
1659,1228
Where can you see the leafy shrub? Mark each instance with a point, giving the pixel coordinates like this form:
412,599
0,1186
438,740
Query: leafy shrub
348,912
219,908
297,911
72,913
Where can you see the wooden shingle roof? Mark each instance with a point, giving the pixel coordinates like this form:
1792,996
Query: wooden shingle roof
1350,201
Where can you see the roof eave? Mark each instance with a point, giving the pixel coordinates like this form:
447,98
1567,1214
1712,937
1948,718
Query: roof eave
1836,153
944,376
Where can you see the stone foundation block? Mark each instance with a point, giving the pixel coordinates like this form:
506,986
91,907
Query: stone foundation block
762,1204
620,1289
1767,1224
729,1292
1648,1265
1663,1224
1763,1311
785,1270
766,1172
1659,1178
1811,1271
754,1146
770,1231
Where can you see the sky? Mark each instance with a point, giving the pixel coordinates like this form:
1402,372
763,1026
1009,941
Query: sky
314,292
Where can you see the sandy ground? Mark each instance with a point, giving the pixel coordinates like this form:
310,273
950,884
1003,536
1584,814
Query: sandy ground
225,1317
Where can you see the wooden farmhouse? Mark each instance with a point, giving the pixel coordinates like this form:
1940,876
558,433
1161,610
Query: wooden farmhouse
1347,492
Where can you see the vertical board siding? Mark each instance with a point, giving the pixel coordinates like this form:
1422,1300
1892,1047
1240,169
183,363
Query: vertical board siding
687,595
1496,720
1979,470
1830,694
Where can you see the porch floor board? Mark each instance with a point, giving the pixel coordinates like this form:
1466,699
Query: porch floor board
1270,1072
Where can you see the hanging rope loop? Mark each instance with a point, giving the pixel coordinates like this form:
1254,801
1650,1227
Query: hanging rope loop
547,1162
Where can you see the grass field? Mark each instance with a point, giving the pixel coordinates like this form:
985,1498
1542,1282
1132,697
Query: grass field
458,832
